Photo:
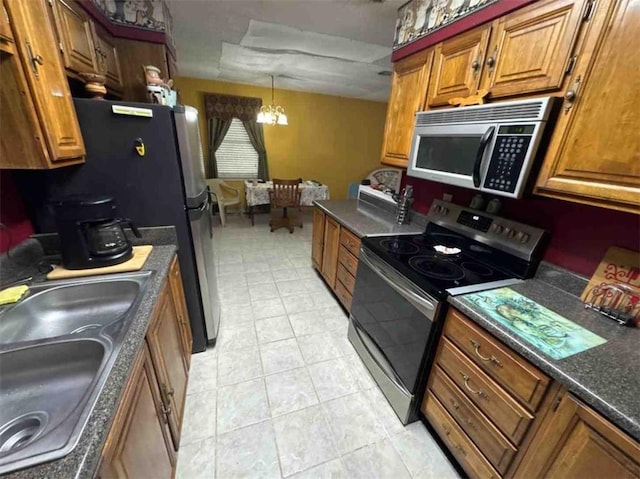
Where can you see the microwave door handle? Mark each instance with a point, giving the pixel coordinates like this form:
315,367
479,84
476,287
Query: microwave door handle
484,141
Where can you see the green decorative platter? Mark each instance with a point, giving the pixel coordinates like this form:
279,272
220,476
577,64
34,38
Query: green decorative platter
547,331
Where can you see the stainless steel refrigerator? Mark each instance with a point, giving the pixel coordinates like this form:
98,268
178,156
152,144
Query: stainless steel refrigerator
149,158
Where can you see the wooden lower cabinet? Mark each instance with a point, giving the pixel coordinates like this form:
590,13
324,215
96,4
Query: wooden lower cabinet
139,444
330,251
334,253
575,442
317,240
177,291
516,422
166,347
145,434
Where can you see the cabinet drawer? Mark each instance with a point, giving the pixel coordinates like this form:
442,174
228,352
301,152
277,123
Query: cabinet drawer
348,260
467,454
350,241
505,412
497,449
343,295
346,279
512,372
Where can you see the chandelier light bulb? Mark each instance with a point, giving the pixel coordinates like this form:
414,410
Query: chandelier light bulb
272,114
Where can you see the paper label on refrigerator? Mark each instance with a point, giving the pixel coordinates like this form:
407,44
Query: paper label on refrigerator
132,111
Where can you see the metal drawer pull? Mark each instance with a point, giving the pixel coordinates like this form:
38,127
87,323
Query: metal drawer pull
456,406
491,358
479,392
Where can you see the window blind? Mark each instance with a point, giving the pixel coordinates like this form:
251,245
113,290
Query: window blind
236,158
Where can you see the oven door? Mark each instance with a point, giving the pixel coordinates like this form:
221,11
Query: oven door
453,154
393,328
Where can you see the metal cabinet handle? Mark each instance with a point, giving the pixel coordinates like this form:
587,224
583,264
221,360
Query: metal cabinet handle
491,61
479,392
447,433
492,358
35,60
166,410
475,66
571,95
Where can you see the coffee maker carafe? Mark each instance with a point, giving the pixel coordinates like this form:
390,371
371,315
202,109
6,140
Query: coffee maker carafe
91,234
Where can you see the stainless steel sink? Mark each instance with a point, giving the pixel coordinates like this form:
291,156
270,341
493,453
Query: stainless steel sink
68,308
57,349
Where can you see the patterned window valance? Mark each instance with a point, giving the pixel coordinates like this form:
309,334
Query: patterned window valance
227,107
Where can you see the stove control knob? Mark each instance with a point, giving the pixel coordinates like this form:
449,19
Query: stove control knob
509,232
437,208
496,228
522,237
444,211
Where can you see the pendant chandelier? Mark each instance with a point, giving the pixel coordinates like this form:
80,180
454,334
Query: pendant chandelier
272,114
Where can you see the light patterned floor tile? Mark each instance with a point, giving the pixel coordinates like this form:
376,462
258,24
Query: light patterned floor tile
332,379
197,460
290,391
238,365
241,405
376,461
248,452
280,356
273,329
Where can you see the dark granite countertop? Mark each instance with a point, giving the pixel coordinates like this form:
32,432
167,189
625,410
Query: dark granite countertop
605,377
83,461
367,221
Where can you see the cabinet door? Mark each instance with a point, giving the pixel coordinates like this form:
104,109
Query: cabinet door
594,155
330,253
531,48
37,46
456,66
576,442
108,60
76,37
177,290
317,241
408,90
5,27
137,444
165,345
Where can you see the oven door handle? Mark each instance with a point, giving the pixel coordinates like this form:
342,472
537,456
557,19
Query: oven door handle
378,357
484,141
398,284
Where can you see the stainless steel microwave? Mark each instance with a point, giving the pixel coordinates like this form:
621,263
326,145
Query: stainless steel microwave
488,147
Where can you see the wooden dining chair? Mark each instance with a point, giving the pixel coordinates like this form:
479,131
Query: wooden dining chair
285,194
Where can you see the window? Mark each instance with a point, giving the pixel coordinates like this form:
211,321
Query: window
236,158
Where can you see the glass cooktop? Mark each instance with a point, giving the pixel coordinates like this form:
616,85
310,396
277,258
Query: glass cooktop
443,262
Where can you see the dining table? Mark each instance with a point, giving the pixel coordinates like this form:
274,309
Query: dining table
257,193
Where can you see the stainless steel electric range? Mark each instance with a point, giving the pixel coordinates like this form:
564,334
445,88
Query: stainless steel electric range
402,283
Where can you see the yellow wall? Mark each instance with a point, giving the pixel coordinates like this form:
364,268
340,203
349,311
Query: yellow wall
330,139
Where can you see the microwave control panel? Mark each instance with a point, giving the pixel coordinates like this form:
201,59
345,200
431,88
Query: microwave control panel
507,158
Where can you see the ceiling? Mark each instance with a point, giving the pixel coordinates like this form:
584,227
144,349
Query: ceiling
336,47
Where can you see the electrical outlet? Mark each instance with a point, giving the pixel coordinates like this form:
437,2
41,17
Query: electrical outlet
447,197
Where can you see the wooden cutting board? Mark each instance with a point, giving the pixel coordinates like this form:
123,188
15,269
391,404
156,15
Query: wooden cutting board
618,266
140,255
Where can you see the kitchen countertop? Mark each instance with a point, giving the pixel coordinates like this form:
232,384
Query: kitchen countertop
605,377
367,221
83,461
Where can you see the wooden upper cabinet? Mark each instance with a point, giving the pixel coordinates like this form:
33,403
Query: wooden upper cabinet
576,442
48,89
531,48
75,31
457,65
107,58
138,444
408,90
318,238
5,27
594,154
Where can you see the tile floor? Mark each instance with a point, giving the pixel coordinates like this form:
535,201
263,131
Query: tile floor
283,393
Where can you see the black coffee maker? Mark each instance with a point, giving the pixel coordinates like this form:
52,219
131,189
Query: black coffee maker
91,234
